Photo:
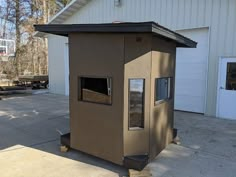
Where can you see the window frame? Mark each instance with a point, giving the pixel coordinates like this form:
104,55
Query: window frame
136,128
79,90
169,91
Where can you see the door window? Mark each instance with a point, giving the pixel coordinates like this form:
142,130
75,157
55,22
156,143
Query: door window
231,76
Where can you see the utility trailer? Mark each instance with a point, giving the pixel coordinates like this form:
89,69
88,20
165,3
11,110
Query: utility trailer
34,81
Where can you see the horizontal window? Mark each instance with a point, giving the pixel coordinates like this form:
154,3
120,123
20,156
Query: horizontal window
163,89
96,90
136,104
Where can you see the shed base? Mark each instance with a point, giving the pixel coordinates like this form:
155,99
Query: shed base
136,162
65,140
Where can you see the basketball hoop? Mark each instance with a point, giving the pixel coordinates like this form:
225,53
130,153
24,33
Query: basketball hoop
7,48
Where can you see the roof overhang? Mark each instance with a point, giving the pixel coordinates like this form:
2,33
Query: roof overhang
144,27
64,14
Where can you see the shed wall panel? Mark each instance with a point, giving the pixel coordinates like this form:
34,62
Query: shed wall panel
161,114
97,128
137,65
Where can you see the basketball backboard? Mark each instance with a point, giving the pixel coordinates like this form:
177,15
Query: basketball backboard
7,48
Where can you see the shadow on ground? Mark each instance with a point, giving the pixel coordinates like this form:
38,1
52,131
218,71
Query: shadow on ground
35,121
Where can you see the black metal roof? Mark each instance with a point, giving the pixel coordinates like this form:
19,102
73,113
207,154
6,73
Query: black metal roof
142,27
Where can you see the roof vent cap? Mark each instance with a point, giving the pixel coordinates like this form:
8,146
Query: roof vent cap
117,3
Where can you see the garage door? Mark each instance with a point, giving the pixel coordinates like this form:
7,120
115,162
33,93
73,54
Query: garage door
191,73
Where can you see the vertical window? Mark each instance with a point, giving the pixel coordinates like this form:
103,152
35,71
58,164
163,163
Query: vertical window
96,90
136,103
231,76
163,89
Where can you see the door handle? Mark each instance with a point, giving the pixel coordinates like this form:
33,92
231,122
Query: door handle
222,88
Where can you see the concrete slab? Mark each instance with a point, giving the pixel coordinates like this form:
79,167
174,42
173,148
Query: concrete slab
185,162
206,134
25,161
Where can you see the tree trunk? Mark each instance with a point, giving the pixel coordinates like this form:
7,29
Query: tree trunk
6,19
18,36
46,17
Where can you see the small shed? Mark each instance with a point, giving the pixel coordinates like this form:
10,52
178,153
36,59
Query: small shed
122,80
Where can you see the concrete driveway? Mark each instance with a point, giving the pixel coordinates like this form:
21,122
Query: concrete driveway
29,144
208,149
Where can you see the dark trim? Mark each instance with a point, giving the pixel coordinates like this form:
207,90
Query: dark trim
143,27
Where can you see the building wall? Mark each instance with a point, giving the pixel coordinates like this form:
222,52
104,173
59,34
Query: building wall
56,63
219,15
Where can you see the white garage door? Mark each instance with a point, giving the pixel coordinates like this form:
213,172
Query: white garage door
191,72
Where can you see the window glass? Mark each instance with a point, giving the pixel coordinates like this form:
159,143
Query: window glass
97,90
163,88
136,103
231,76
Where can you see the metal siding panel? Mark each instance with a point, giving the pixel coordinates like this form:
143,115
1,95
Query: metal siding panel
181,14
158,10
194,16
223,20
135,10
143,5
213,59
208,12
201,13
148,11
175,14
233,4
153,10
127,12
116,12
230,28
187,17
169,13
163,12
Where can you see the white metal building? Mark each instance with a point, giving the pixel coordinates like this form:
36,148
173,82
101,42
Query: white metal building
204,76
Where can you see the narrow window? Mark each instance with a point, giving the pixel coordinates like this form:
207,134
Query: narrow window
136,104
231,76
96,90
163,89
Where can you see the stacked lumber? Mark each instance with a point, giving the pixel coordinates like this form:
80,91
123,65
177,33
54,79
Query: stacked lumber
143,173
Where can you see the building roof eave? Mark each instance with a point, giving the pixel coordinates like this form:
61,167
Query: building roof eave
65,13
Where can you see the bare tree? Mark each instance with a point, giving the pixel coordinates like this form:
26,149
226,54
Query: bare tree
17,19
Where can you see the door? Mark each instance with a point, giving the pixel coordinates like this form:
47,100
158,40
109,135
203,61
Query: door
227,88
191,72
